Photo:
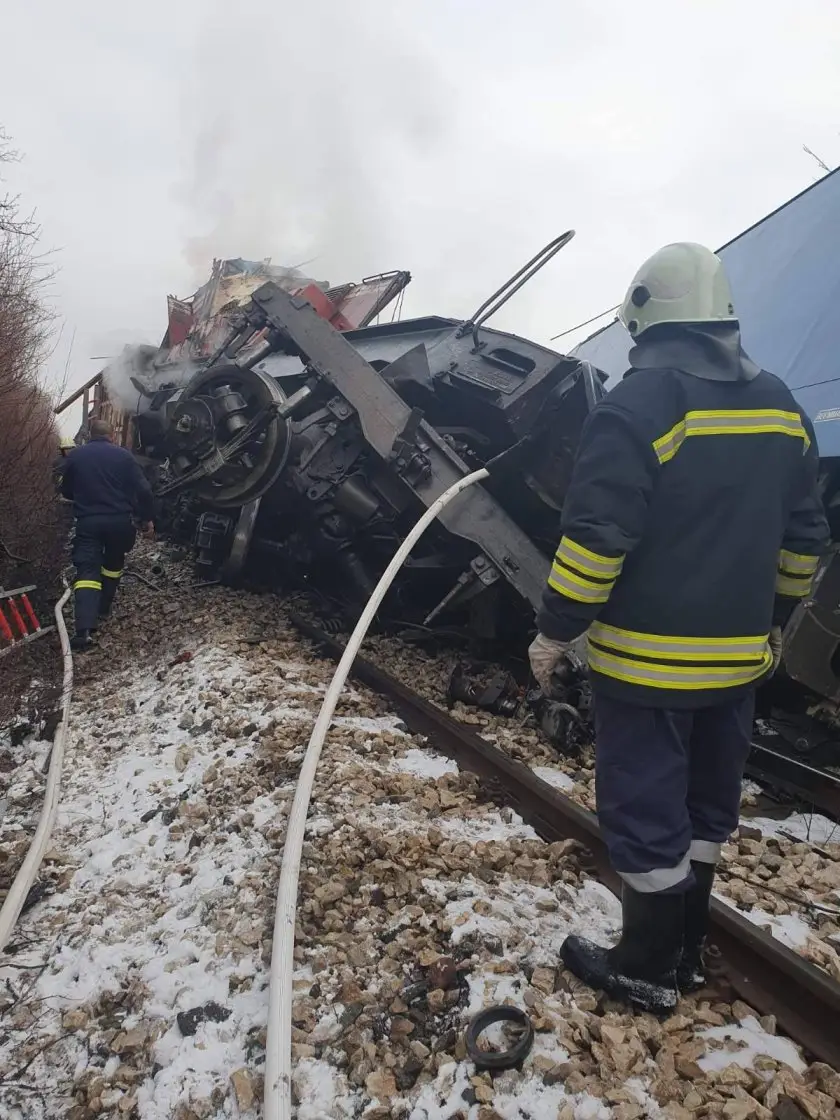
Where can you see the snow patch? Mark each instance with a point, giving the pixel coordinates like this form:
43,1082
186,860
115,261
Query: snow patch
546,916
489,826
515,1098
752,1040
322,1092
134,913
554,777
373,724
424,764
810,827
790,929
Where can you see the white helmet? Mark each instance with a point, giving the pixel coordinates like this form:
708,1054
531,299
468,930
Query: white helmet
681,283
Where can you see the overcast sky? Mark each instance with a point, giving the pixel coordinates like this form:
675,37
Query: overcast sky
448,137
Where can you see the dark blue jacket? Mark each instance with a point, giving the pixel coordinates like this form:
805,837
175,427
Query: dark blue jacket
104,480
679,553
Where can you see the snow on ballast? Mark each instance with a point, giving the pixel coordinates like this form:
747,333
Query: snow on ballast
138,985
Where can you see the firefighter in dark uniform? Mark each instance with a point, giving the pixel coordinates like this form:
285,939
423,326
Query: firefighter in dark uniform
108,490
65,510
65,446
691,529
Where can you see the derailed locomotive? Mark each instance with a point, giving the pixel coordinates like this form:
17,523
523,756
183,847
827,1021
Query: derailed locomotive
300,455
303,449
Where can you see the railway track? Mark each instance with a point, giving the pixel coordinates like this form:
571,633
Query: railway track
809,784
764,972
183,770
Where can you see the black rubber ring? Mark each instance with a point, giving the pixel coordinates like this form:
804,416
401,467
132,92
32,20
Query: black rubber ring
499,1059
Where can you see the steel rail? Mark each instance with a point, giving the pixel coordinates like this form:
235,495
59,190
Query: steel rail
765,973
796,776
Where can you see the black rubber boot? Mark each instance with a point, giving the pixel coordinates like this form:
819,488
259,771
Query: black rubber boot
642,967
691,975
101,619
81,642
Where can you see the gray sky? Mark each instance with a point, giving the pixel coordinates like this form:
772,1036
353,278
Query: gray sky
449,137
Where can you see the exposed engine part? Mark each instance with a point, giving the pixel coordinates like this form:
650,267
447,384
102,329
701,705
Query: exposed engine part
565,715
204,423
812,637
306,466
498,694
243,533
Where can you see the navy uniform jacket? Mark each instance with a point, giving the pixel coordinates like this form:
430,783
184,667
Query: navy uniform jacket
692,524
103,480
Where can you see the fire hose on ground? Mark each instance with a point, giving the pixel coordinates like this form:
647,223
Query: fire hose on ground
28,872
278,1055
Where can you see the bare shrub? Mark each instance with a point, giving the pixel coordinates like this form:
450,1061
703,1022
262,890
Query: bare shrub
32,523
29,516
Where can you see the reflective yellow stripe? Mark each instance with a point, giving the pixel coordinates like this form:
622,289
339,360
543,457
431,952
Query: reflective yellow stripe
578,588
110,575
797,563
672,648
589,563
724,422
668,445
93,584
681,677
796,587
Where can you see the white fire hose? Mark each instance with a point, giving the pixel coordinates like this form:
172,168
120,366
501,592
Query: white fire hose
278,1051
28,872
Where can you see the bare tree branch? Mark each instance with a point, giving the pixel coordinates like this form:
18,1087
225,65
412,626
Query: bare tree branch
29,513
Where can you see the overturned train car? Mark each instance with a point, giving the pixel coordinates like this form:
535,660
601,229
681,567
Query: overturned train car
301,455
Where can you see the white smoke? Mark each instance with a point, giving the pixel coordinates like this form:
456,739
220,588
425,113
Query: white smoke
134,373
308,120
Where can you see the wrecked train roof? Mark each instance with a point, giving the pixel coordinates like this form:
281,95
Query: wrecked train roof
785,276
197,324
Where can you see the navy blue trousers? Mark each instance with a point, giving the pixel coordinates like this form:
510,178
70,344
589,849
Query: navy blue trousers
99,548
668,786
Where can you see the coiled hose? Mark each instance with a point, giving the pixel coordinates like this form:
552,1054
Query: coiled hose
278,1051
28,872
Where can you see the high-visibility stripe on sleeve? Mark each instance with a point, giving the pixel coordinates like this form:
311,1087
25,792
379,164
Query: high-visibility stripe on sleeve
110,574
92,584
797,563
668,445
723,422
795,576
576,587
794,587
587,562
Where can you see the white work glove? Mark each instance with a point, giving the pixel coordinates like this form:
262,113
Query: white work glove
544,655
775,643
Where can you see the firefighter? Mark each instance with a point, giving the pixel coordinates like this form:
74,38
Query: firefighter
108,489
65,446
691,528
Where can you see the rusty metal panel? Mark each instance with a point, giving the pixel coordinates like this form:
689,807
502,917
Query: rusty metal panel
361,303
